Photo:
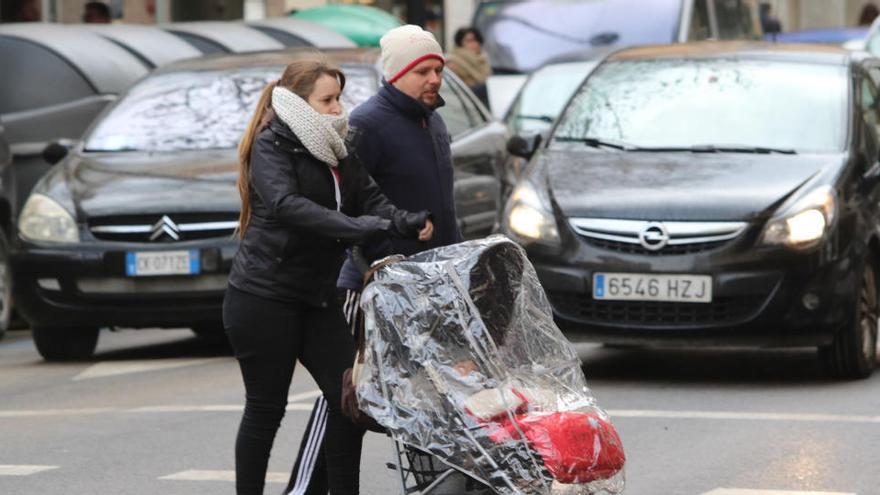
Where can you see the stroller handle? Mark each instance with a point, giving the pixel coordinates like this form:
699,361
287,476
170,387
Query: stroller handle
359,260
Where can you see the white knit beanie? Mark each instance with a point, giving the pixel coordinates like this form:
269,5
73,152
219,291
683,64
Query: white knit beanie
405,47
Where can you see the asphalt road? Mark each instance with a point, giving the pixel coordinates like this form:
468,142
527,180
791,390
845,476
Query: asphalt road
155,412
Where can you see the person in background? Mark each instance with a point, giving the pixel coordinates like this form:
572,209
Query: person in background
868,14
769,23
469,62
96,13
26,11
304,200
404,144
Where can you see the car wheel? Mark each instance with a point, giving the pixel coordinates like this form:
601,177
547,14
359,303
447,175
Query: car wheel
65,344
5,287
853,353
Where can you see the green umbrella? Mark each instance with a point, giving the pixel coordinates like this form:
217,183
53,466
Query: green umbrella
360,23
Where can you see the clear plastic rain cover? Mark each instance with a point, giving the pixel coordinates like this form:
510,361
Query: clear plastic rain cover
463,360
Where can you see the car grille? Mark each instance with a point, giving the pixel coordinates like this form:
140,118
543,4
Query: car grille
163,228
656,238
723,310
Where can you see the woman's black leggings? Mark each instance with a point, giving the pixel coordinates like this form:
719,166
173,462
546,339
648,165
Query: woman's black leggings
268,338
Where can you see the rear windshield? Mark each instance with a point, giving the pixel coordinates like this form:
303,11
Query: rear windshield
521,36
687,103
198,110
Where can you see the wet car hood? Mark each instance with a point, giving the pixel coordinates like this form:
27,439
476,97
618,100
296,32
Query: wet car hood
678,186
97,184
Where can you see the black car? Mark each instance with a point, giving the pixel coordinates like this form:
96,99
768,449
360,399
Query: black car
134,228
714,193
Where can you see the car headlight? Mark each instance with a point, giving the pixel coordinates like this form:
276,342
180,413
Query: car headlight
43,219
528,217
806,224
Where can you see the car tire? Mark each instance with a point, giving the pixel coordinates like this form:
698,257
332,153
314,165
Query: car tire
5,286
65,344
853,352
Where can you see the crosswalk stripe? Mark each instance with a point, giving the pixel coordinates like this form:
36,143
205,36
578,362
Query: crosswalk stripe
23,470
35,413
753,416
311,394
208,475
614,413
746,491
30,413
112,368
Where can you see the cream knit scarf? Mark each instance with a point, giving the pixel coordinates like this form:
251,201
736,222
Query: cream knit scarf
322,134
471,68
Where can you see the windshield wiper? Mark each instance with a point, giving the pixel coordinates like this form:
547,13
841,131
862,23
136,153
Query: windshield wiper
600,143
543,118
739,148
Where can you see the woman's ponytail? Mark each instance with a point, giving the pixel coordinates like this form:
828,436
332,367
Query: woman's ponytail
261,118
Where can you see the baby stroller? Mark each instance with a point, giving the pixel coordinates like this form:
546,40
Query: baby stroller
480,391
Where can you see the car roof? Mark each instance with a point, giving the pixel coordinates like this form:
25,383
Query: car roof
233,37
153,45
335,56
313,33
782,52
111,72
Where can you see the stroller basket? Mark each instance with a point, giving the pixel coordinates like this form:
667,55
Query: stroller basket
465,368
423,473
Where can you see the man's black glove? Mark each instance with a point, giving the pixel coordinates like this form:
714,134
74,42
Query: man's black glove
407,225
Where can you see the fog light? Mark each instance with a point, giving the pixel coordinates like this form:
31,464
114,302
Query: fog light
811,301
49,283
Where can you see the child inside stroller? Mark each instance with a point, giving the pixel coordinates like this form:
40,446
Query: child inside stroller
462,361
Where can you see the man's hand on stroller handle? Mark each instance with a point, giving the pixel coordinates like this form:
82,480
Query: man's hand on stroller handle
427,231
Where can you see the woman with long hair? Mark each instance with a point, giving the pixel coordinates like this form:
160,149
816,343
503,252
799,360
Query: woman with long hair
304,201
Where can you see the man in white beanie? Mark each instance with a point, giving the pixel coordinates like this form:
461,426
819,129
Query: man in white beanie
404,144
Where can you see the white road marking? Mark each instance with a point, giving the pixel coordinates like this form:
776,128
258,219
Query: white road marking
206,475
744,491
36,413
750,416
614,413
53,412
184,409
110,368
311,394
23,470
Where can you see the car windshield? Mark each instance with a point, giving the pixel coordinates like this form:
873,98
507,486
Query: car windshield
545,94
705,103
198,110
521,36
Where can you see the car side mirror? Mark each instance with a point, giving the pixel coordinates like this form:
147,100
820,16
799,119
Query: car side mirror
523,146
55,151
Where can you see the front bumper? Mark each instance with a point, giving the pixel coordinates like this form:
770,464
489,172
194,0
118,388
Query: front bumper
86,285
758,297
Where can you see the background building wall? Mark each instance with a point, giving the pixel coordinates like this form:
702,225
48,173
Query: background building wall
816,14
457,13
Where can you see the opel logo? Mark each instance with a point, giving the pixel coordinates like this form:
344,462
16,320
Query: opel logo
165,226
654,236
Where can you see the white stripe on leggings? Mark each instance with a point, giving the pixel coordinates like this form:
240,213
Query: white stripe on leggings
313,448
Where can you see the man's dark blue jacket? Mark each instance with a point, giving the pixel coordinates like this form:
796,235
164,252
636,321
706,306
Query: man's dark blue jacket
404,145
